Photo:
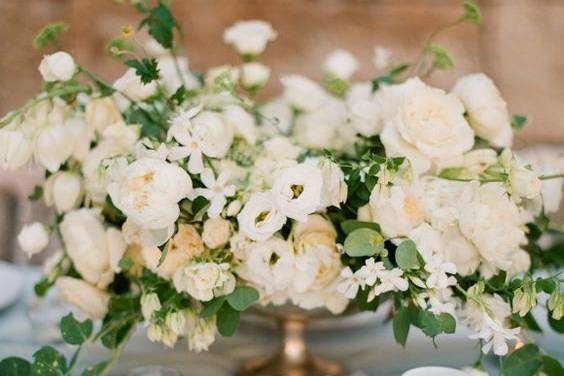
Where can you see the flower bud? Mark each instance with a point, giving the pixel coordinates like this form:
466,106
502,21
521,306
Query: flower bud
254,75
59,66
149,304
33,238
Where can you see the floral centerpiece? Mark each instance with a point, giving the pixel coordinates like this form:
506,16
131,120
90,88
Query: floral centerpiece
181,201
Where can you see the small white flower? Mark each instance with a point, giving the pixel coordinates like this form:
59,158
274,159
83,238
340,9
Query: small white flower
100,113
155,333
390,280
149,304
260,217
15,149
234,208
302,93
216,191
203,281
33,238
54,145
341,64
249,37
370,271
59,66
524,299
523,181
438,269
495,335
351,283
254,75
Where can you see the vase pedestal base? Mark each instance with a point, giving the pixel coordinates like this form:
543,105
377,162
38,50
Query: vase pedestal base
278,366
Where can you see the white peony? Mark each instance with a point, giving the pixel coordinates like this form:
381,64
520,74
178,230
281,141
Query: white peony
33,238
242,123
254,75
249,37
203,281
90,300
15,149
59,66
216,232
64,190
94,250
260,217
334,191
487,111
297,191
302,93
148,192
341,64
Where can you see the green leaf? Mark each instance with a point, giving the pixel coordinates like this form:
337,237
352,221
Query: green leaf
36,194
557,325
471,12
551,366
441,58
75,332
161,24
402,321
14,366
96,369
350,225
146,69
407,255
528,322
211,307
362,302
49,34
448,323
524,362
396,71
498,281
227,320
42,286
242,298
125,263
429,323
451,172
48,361
363,242
111,213
179,95
518,121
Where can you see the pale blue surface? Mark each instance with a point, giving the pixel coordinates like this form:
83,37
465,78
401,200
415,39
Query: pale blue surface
366,350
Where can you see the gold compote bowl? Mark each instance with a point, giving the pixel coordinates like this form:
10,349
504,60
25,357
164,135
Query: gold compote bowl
293,357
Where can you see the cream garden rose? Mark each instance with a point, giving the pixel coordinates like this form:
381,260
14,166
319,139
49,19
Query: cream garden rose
204,281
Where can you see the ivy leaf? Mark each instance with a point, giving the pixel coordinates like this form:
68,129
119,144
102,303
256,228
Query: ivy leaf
14,366
161,24
75,332
212,307
471,12
448,323
227,320
441,58
48,361
518,121
242,298
363,242
407,255
49,34
551,366
146,69
36,194
524,362
350,225
402,321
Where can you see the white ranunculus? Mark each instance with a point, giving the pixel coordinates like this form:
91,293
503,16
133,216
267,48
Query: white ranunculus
428,127
15,149
302,93
130,84
212,134
54,145
92,301
297,191
249,37
65,190
254,75
203,281
59,66
148,192
318,129
487,111
341,64
334,191
33,238
94,250
260,217
242,123
216,233
100,113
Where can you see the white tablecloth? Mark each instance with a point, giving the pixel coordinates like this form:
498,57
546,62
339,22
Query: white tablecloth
367,349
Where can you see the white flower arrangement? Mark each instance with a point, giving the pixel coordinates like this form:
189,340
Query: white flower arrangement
181,201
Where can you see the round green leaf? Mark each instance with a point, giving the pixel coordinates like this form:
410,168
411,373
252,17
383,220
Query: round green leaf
75,332
227,320
14,366
242,298
363,242
524,362
406,255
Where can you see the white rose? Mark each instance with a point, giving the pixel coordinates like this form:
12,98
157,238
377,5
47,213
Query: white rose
130,84
487,111
334,191
213,134
523,182
242,123
65,190
54,145
297,191
260,218
100,113
365,116
254,75
59,66
94,250
341,64
318,129
203,281
302,93
428,126
249,37
216,233
33,238
90,300
175,72
148,192
477,161
15,149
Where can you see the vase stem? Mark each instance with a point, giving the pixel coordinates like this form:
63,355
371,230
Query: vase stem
294,350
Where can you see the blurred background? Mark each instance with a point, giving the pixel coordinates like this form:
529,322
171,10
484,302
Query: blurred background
518,45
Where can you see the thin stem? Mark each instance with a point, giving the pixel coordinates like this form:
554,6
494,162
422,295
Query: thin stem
116,353
548,177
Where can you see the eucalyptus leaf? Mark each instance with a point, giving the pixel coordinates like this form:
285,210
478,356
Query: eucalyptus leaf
350,225
227,320
363,242
211,307
402,321
242,298
525,361
407,255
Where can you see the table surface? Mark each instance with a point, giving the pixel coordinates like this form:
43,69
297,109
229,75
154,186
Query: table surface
365,349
